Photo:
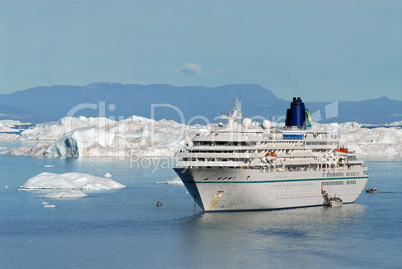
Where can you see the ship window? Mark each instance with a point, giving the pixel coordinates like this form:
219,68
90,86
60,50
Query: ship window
218,178
336,174
332,183
206,178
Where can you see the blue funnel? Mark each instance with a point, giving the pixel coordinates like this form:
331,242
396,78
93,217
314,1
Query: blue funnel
295,116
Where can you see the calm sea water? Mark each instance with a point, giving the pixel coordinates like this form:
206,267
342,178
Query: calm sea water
124,229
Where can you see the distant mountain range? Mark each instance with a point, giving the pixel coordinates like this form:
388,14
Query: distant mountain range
118,101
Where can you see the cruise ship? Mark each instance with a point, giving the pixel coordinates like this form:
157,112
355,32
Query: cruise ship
252,166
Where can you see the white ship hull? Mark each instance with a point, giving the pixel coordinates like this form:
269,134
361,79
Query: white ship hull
256,167
229,189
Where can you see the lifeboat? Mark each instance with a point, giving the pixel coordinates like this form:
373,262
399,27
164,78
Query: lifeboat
270,154
341,150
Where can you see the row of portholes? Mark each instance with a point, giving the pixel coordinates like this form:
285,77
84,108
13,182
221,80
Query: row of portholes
221,178
294,185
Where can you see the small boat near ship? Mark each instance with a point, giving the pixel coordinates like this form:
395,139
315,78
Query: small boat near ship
335,201
371,191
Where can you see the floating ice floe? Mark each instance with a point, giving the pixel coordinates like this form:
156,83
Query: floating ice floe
72,181
176,181
108,175
64,195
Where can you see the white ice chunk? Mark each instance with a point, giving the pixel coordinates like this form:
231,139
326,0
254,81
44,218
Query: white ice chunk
8,129
175,181
136,136
54,130
36,151
64,195
73,181
8,137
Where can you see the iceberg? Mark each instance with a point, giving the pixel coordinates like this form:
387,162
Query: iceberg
371,142
9,129
55,130
12,126
8,137
37,151
71,181
141,137
134,136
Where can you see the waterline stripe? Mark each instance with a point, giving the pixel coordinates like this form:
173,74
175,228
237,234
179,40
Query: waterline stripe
276,181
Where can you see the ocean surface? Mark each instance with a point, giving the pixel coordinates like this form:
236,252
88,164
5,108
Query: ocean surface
125,229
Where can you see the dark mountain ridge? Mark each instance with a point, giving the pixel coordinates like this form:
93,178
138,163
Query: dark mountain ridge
191,104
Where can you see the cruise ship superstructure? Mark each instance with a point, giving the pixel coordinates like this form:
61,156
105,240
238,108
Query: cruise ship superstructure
252,166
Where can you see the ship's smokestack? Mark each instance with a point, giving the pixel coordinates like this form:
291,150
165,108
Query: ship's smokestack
296,115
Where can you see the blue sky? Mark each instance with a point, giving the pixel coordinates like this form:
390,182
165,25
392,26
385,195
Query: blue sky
320,50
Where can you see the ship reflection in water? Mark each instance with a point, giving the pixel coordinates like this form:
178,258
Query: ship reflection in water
293,237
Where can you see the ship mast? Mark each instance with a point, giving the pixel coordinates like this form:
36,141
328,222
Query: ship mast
234,116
